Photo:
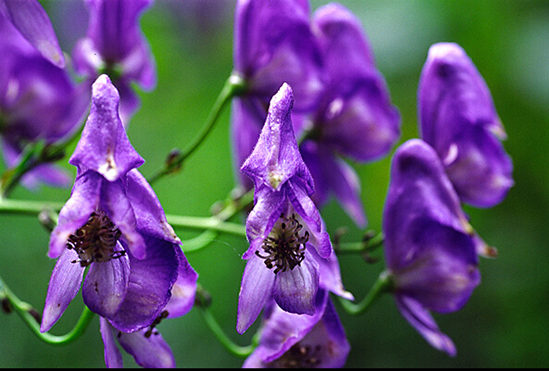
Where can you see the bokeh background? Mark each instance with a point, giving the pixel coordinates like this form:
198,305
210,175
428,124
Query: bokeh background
506,321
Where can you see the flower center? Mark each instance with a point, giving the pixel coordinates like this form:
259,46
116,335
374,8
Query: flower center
299,356
96,240
285,247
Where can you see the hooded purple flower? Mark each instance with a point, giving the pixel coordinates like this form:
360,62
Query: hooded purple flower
288,340
32,22
459,120
430,249
355,117
114,226
38,100
289,246
115,45
272,45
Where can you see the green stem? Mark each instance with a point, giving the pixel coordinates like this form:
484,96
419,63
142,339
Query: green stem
370,242
25,311
209,223
234,86
27,207
383,285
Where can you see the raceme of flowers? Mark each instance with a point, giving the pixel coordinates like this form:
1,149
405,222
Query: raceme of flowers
313,104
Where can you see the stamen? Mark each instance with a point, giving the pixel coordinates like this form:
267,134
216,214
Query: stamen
285,247
299,356
155,323
96,240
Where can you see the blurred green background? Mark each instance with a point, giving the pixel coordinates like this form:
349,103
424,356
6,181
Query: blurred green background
506,321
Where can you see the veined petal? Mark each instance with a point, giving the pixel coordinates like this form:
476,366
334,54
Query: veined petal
76,211
113,357
257,286
424,323
330,275
106,284
183,290
148,351
295,290
63,287
104,146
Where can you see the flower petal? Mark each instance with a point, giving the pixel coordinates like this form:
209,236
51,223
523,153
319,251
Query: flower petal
295,290
113,357
183,290
257,286
148,351
63,287
106,285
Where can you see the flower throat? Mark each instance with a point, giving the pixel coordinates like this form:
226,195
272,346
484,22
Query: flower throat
96,240
285,247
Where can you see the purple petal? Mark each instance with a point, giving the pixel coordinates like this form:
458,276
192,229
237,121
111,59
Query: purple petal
104,146
276,157
151,280
295,290
33,22
148,351
117,206
149,213
183,290
330,275
76,211
113,357
424,323
63,287
106,285
257,286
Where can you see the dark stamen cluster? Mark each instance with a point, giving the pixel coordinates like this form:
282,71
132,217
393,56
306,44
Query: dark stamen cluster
95,241
299,356
285,247
151,330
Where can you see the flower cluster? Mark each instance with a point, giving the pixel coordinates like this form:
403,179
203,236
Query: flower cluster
311,101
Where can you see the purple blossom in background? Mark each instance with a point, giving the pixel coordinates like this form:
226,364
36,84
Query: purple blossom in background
430,249
288,340
355,117
114,225
115,45
38,100
458,118
32,22
284,227
272,45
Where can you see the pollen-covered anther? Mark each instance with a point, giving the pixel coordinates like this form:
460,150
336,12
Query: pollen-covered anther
96,240
285,246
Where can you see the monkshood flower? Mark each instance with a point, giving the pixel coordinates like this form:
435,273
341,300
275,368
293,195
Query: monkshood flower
33,23
115,45
458,118
430,249
113,227
272,45
354,118
284,228
288,340
38,100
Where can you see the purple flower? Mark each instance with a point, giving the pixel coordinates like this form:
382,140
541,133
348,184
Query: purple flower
33,23
272,45
113,225
459,120
288,340
355,117
115,45
38,100
285,230
430,248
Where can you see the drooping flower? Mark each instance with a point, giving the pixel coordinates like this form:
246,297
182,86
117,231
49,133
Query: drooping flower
354,118
38,100
458,119
289,248
114,227
32,22
272,45
430,248
115,45
288,340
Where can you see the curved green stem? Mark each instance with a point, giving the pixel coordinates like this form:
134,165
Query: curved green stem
29,315
234,86
209,223
383,285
